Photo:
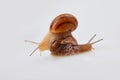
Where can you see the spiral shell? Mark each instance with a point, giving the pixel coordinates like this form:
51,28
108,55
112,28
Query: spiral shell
63,23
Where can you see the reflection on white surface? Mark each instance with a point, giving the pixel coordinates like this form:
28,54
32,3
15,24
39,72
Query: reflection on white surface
21,20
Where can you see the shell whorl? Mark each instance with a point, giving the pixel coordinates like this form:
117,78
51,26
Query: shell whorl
63,23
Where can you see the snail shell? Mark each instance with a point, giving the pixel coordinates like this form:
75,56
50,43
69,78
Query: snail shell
63,23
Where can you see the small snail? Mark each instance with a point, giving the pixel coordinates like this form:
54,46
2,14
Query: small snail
59,39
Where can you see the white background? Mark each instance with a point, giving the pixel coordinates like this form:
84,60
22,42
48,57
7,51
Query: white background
30,19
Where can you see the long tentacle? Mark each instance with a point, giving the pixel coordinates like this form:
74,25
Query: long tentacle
31,42
96,41
34,50
92,38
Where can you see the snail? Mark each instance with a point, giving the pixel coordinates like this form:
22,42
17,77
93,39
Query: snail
60,40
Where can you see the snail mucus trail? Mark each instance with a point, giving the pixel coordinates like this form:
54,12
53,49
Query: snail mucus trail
59,39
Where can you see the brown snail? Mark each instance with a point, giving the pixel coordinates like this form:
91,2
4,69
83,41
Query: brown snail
59,39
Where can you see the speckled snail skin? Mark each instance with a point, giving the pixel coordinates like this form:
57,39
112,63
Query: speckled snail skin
59,39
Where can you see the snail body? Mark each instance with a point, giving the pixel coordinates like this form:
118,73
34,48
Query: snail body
60,40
